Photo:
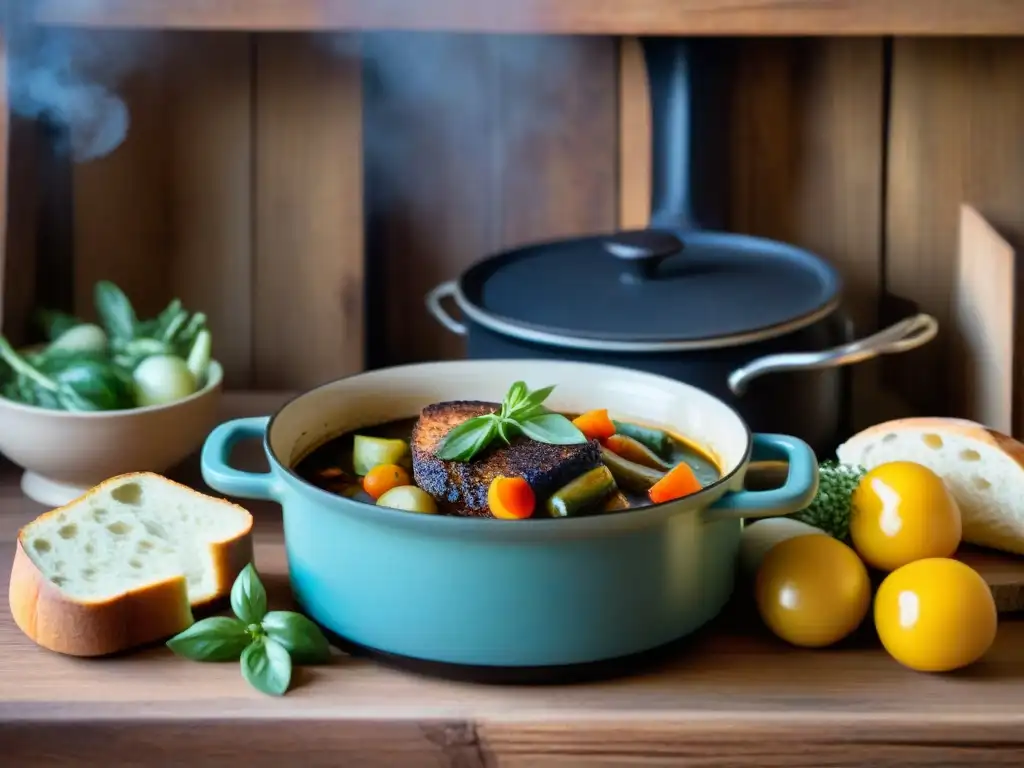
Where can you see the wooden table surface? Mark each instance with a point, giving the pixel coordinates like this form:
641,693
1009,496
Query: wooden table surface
735,698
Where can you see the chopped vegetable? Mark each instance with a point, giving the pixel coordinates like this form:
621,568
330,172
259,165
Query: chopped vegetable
582,495
629,475
409,498
658,440
162,379
679,482
595,424
383,478
81,338
830,509
616,502
369,452
199,356
510,498
633,450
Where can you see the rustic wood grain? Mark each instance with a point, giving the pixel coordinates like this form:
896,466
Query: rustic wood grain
168,213
5,129
688,17
634,137
121,228
431,147
1003,573
556,171
514,142
956,111
308,284
20,149
209,150
984,325
20,206
808,165
735,698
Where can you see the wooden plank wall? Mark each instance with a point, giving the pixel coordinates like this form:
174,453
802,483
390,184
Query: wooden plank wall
496,141
243,186
955,136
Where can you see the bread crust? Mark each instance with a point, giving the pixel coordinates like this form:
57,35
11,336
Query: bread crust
139,616
961,427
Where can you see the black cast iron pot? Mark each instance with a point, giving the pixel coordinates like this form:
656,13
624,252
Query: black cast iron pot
755,322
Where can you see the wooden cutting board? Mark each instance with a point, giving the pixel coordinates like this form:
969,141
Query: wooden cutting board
984,325
1004,573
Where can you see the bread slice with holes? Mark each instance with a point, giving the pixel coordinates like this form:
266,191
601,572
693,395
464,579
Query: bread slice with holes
984,470
125,564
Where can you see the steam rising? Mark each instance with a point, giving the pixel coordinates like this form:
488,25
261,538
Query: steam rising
69,76
488,88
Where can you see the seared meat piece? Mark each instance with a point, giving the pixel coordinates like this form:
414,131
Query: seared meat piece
461,487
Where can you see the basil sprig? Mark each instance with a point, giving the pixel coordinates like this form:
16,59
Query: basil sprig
522,412
266,643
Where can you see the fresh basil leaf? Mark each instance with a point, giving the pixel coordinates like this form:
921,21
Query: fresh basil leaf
527,412
97,384
471,436
115,311
248,597
219,638
552,428
267,667
298,635
538,396
175,325
516,394
157,325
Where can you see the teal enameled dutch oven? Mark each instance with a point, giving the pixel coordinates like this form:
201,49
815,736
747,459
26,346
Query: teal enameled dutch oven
530,593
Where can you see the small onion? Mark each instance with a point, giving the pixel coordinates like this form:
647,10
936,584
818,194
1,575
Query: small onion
162,379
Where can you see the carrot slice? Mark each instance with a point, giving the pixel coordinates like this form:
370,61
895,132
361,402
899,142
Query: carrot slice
383,478
679,482
595,424
510,498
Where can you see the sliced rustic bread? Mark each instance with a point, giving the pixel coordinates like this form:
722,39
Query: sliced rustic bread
123,565
984,470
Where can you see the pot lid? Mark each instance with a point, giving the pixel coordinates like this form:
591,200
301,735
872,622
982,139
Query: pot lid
650,290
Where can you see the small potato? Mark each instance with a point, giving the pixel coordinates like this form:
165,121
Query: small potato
409,498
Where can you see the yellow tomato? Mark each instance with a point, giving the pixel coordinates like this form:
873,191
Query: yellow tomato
902,512
935,615
812,591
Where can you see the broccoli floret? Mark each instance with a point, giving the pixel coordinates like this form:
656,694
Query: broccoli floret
830,509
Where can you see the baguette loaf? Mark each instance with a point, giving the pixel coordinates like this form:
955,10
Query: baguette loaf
983,469
124,564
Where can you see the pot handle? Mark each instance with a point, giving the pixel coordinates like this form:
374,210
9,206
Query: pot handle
907,334
795,494
222,477
445,290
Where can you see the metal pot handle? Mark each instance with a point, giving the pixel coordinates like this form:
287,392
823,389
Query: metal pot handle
905,335
445,290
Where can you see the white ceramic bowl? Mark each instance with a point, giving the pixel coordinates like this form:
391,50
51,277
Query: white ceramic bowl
64,453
